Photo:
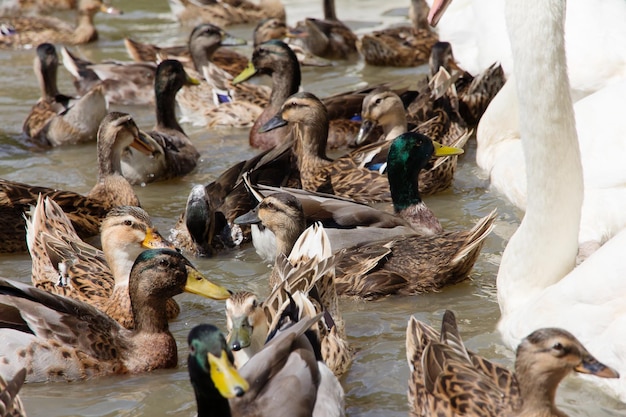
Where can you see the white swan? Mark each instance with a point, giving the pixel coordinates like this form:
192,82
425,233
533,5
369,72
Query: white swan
538,283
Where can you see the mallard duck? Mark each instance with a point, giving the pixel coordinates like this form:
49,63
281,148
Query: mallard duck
308,118
117,132
403,46
34,30
174,155
309,270
56,119
63,264
283,378
276,59
226,12
86,342
448,380
386,262
328,38
386,109
10,403
203,46
475,93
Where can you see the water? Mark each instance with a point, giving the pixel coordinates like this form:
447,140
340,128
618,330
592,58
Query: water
377,381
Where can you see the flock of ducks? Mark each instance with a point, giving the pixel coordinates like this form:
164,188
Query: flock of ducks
101,306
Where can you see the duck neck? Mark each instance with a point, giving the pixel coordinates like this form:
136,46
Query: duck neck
286,80
109,160
208,399
531,261
286,237
395,124
329,10
538,390
166,109
85,30
202,56
150,314
403,184
48,81
418,13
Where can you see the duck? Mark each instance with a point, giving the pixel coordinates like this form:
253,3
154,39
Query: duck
386,109
327,38
40,6
117,132
227,12
305,387
204,45
373,265
474,92
86,343
9,387
276,59
309,270
174,154
57,119
35,30
447,379
539,284
64,264
402,46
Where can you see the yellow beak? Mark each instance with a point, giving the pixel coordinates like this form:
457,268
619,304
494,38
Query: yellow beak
225,377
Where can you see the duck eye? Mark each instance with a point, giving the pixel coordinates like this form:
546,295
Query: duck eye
128,223
164,263
270,205
379,100
192,349
254,303
558,347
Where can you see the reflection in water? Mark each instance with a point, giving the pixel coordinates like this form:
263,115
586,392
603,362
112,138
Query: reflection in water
376,383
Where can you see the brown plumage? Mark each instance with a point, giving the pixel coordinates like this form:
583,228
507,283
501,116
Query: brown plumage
63,264
117,131
448,380
57,119
10,403
226,12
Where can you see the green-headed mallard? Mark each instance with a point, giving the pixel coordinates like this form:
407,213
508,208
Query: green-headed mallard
63,264
403,46
448,380
284,378
87,343
57,119
10,403
34,30
173,153
225,12
117,132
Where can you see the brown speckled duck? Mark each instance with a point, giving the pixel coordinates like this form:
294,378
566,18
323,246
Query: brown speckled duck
87,343
448,380
10,403
226,12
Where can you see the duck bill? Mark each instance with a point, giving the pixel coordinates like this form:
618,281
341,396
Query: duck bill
191,80
367,126
251,217
246,74
441,150
230,40
437,10
297,33
200,285
273,123
590,365
239,336
154,240
143,143
225,377
108,9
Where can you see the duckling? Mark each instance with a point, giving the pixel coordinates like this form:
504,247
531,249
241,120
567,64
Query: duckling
63,264
10,403
34,30
117,132
440,361
309,270
328,38
475,93
276,59
86,342
264,386
56,119
401,46
174,153
226,12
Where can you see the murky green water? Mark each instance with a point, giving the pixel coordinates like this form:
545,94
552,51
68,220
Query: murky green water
377,382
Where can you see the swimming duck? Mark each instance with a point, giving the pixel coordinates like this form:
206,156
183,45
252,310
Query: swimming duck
448,380
57,119
328,38
284,377
10,403
276,59
308,270
63,264
226,12
86,342
174,155
401,46
34,30
117,132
